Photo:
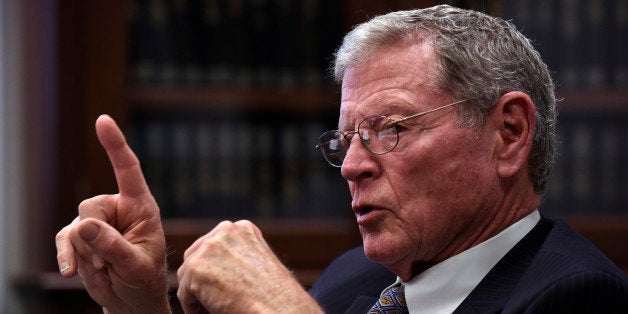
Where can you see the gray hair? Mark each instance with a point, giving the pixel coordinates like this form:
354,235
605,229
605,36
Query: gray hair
480,58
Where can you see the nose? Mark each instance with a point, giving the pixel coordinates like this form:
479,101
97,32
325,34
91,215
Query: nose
359,162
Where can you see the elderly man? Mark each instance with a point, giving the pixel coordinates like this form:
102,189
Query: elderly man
446,138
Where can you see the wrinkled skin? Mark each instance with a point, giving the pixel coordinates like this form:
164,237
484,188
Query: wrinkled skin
117,246
445,187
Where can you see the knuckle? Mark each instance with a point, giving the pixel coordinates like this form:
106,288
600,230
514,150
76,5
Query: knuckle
187,253
181,272
99,206
208,245
244,223
250,228
225,224
62,235
87,207
83,205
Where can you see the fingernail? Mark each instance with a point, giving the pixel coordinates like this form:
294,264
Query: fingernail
89,232
63,267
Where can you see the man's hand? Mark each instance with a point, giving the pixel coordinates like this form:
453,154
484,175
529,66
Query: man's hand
117,242
233,270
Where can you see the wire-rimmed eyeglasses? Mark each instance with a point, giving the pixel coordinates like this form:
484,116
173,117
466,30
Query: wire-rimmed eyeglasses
379,134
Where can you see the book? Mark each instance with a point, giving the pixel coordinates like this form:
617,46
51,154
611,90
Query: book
620,44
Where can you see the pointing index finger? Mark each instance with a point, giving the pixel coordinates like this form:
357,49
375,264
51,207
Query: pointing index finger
125,164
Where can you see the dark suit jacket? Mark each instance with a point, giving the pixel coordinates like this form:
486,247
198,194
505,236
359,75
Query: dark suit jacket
553,269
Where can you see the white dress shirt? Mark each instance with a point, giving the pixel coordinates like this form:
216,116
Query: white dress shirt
442,287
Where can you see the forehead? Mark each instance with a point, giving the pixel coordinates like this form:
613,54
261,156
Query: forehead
396,79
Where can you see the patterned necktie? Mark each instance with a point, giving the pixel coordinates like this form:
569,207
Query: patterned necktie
391,301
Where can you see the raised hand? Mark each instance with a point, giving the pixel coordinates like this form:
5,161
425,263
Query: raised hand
233,270
116,243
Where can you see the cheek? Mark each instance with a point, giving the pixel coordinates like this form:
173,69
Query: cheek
447,179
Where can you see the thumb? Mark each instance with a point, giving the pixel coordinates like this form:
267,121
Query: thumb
104,241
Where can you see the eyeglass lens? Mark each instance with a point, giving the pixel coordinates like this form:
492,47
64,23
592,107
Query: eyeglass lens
334,146
378,135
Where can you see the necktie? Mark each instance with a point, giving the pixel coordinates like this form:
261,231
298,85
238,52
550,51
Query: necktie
391,301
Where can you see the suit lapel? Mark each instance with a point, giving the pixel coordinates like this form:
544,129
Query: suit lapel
494,290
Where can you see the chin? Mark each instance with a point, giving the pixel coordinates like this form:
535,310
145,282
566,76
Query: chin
380,249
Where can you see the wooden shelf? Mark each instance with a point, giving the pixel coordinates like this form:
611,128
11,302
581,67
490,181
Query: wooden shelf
592,100
254,99
319,99
326,239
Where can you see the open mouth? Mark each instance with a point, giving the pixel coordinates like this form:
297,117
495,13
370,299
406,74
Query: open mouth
363,210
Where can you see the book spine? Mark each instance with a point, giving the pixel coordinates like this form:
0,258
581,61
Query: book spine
596,26
265,172
620,44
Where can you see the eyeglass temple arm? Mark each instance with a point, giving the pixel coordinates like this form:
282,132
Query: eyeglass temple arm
410,117
426,112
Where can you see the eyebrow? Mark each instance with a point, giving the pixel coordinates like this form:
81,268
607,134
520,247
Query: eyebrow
395,108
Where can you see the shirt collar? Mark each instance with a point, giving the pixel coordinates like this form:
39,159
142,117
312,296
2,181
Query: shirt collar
442,287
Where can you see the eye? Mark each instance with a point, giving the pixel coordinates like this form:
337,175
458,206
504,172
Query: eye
390,130
365,137
388,134
407,125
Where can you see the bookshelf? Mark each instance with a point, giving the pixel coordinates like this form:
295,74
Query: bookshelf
584,45
186,97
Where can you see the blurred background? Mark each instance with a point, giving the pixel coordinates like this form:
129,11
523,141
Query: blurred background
223,102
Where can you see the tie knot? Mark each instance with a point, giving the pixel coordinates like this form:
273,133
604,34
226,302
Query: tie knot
391,301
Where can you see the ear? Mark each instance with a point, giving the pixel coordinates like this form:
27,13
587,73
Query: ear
514,115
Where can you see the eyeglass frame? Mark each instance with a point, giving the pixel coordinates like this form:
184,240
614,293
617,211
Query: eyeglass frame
393,123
